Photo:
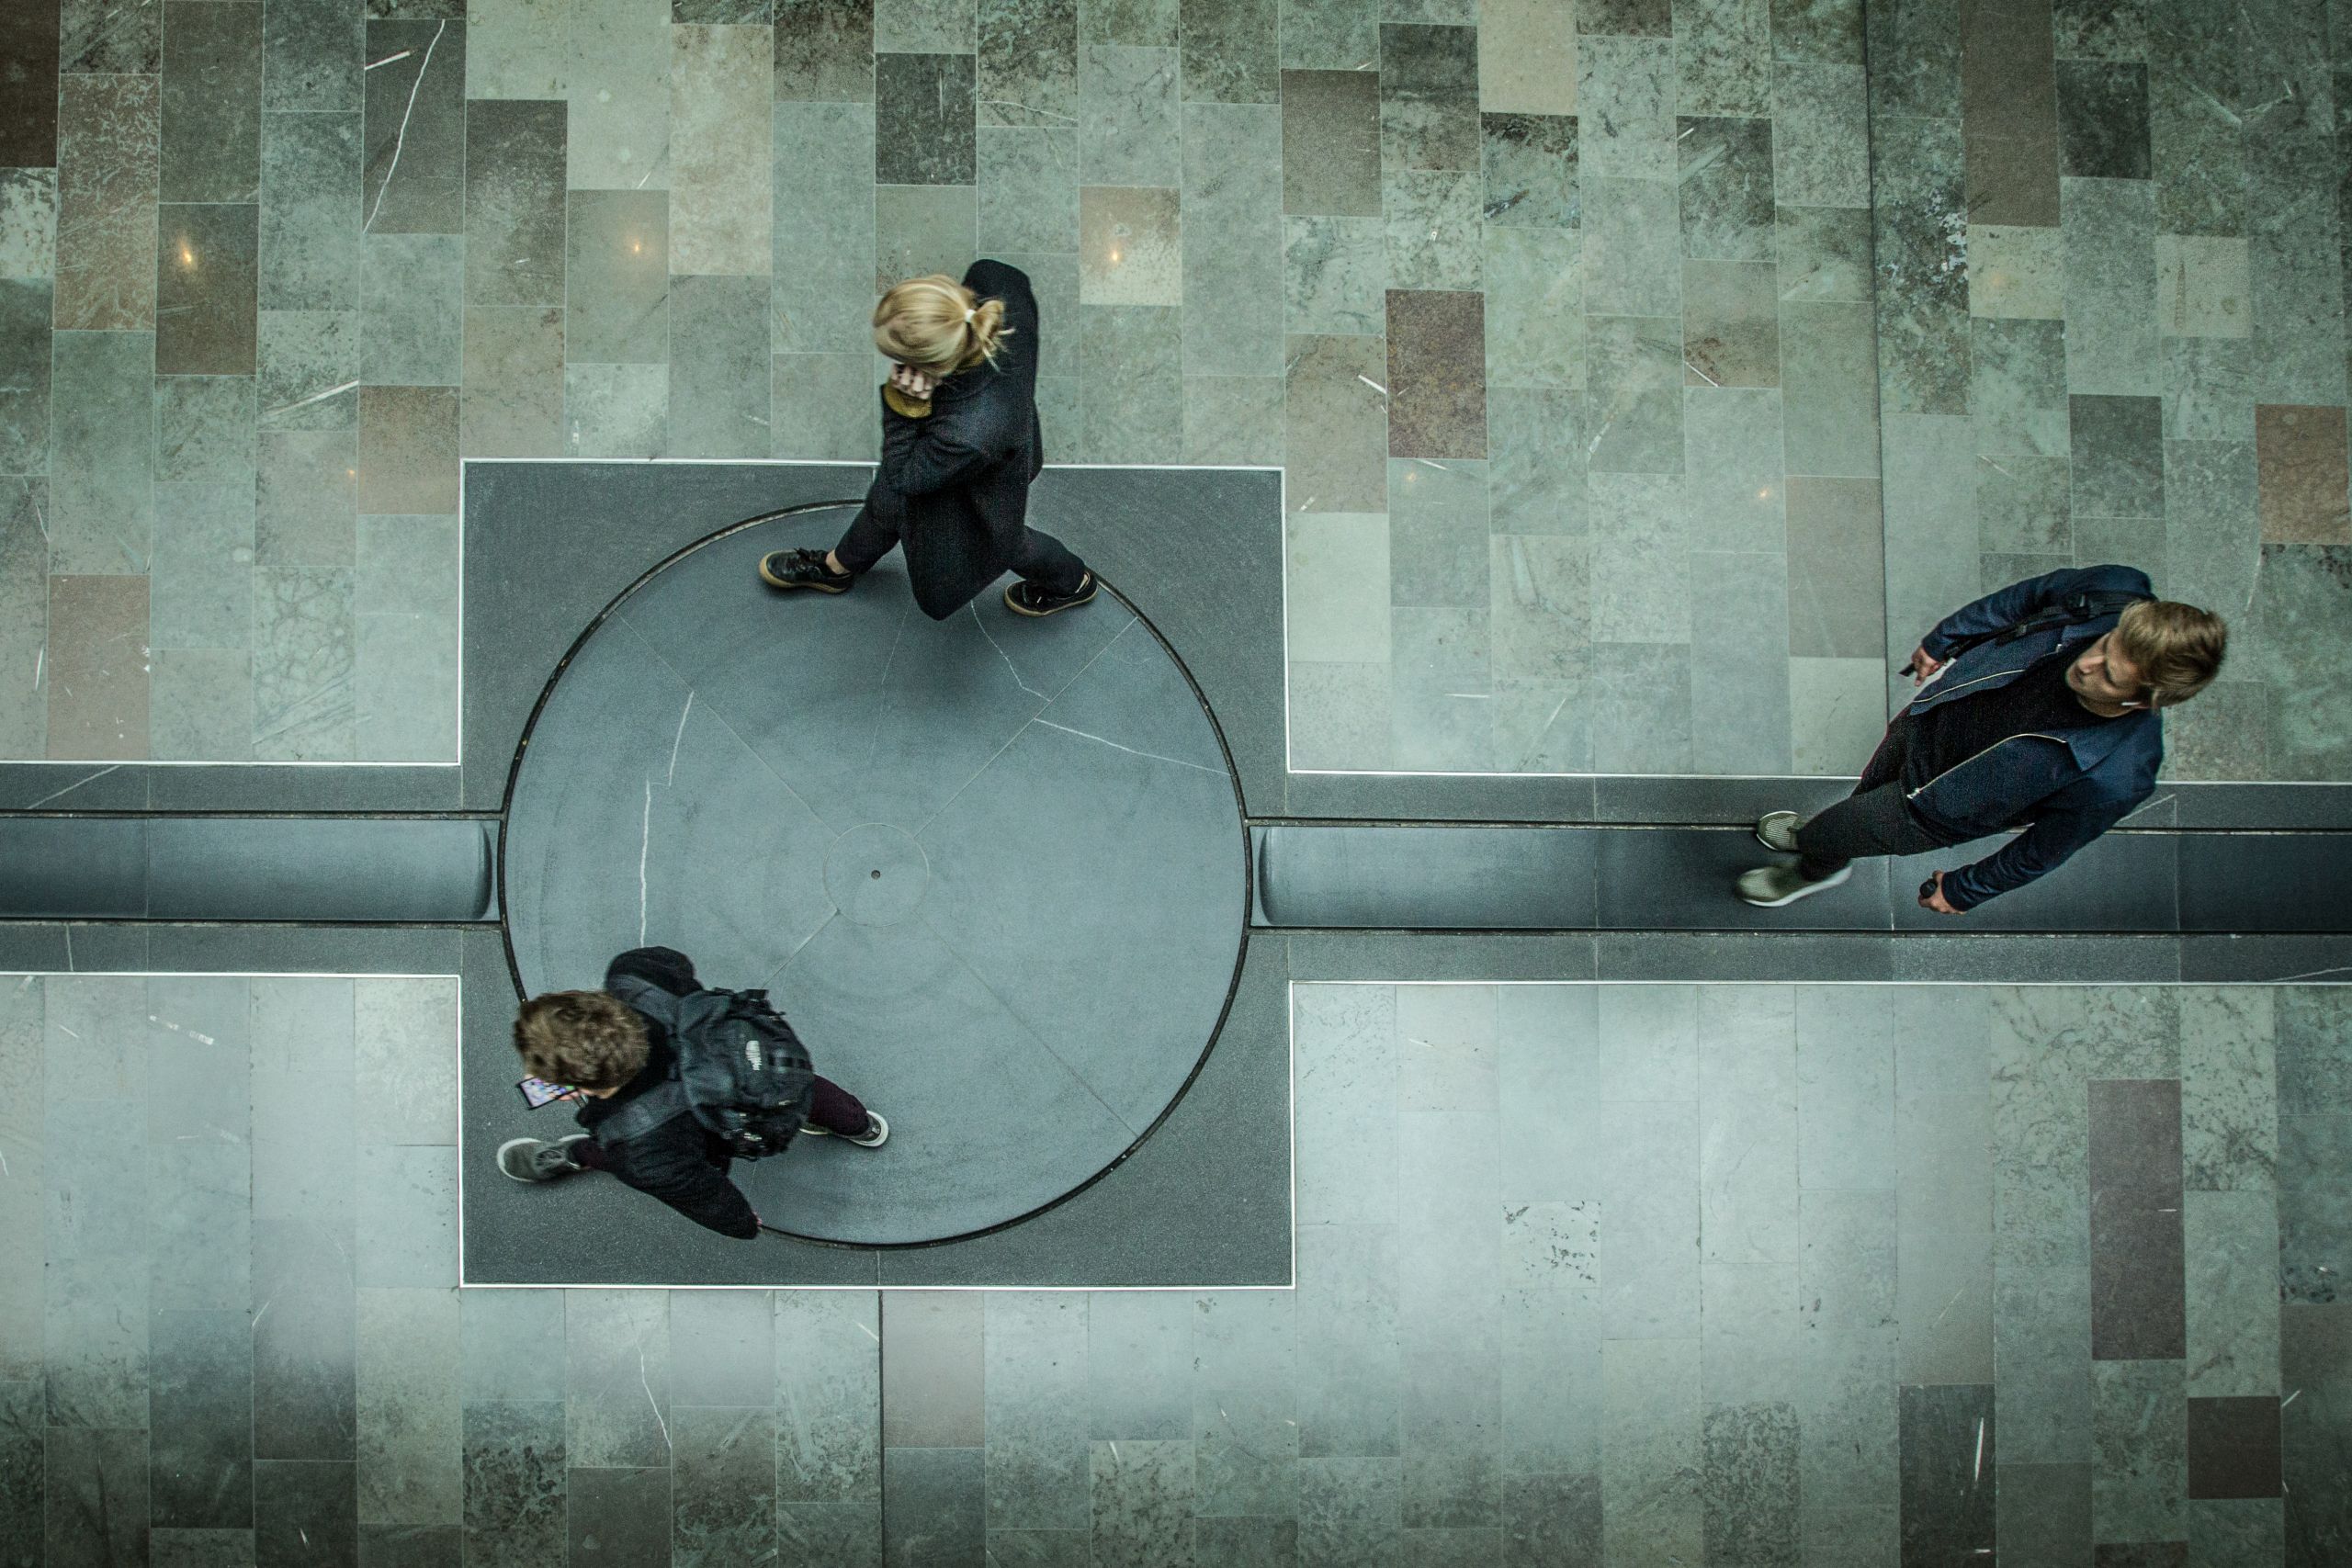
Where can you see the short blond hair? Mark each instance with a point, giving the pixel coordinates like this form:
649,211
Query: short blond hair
2178,649
586,1039
935,323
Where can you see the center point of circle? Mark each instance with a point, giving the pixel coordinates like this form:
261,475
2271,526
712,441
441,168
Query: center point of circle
855,880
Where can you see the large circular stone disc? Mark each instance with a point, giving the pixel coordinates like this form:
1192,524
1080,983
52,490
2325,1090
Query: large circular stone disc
992,868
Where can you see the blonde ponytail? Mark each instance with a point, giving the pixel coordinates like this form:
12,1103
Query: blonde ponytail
936,324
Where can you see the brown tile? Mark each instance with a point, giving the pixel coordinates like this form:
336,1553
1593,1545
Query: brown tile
97,667
1331,143
206,321
107,181
2138,1266
931,1370
2013,179
2007,68
1731,324
29,64
408,450
2233,1447
2141,1555
1335,424
1836,569
2300,463
513,405
1437,375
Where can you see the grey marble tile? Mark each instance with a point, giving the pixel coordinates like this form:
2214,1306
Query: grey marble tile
398,1025
1832,418
828,1371
1723,58
408,450
1731,330
1349,1366
1948,1440
1725,178
824,51
616,277
615,411
94,1486
2197,152
1232,239
1531,168
515,202
1245,1431
1914,52
1028,189
723,1484
25,359
2139,1475
310,255
101,504
719,368
824,406
514,1458
1749,1483
212,103
1233,420
311,57
1651,1453
1231,51
919,26
1818,141
1036,1461
1151,23
2043,1339
2103,119
1131,382
1331,143
1028,64
617,1377
102,39
201,594
204,429
28,224
1142,1503
2043,1511
107,182
408,336
1335,423
2111,274
1334,275
1429,98
1432,230
1634,396
1127,115
2017,389
720,184
920,230
1137,1372
308,376
413,176
1437,533
1535,328
1836,581
303,635
1536,471
1339,715
411,1440
1921,251
1626,103
923,116
1345,1040
823,267
1631,249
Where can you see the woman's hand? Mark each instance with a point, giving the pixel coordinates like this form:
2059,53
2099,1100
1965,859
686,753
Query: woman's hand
911,382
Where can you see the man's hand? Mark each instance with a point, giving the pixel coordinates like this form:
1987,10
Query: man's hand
911,382
1934,900
1923,665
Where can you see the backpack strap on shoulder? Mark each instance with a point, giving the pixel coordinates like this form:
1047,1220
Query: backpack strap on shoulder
662,1103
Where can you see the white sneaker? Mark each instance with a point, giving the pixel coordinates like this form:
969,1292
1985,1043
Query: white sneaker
1777,831
877,1132
1771,887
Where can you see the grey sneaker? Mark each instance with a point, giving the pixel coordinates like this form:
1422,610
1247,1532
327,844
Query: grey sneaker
1771,886
533,1159
877,1132
1777,831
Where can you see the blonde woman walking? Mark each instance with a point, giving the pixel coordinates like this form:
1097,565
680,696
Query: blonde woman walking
960,445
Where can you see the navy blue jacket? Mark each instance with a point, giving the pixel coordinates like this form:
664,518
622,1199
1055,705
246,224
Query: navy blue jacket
2072,784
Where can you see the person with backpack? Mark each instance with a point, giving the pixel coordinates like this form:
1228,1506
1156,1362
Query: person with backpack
676,1081
2041,707
961,444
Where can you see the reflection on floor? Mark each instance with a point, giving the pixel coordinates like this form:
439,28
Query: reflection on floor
1586,1273
1561,319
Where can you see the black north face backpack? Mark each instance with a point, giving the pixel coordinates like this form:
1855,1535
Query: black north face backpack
738,1068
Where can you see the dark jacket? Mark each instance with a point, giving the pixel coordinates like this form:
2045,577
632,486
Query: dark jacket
677,1160
2072,785
955,484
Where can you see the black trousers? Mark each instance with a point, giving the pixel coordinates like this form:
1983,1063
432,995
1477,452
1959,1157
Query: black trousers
1874,819
1042,558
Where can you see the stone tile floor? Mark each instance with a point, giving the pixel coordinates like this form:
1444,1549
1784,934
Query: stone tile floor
1717,1274
1574,325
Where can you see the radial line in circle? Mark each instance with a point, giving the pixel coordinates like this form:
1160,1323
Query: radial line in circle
1027,1028
752,750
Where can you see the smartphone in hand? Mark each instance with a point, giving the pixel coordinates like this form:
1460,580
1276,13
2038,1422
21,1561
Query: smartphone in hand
538,1091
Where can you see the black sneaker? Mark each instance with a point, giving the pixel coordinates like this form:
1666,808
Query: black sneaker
1027,598
803,568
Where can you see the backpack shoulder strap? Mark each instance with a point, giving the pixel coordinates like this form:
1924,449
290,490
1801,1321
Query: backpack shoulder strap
647,1112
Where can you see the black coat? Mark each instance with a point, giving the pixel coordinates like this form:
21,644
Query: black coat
955,486
676,1161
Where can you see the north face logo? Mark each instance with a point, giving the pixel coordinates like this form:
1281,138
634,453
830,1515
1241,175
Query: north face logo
752,1054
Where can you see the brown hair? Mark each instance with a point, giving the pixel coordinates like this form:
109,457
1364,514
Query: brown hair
585,1039
935,323
2177,649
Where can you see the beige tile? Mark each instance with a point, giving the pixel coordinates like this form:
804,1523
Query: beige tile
616,71
1527,57
24,615
2300,464
97,669
2204,287
1130,246
513,400
2016,272
1335,587
408,449
721,87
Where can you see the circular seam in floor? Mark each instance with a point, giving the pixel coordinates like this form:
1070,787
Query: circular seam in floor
1163,923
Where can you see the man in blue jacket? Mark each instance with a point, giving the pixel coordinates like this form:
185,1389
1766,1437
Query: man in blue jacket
2041,709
